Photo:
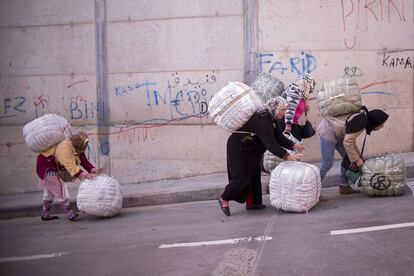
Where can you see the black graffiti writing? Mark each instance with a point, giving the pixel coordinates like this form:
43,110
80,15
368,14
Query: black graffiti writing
380,182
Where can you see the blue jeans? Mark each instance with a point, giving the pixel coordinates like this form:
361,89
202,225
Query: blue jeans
327,152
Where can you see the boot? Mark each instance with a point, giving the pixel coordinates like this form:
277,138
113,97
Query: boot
72,215
250,203
45,211
249,200
347,190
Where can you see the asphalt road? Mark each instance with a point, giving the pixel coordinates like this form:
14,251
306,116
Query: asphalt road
197,239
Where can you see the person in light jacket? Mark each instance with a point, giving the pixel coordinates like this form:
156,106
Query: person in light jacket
67,155
340,134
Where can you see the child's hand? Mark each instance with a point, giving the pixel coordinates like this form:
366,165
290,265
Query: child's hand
90,176
97,171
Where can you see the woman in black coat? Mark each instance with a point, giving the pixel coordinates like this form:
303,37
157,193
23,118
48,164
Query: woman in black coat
245,148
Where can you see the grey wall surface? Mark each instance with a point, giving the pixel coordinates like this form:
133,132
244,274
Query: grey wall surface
139,77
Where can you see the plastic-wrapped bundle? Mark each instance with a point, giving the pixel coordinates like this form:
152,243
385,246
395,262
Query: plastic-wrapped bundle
295,186
270,161
266,86
100,196
384,175
45,132
339,97
234,105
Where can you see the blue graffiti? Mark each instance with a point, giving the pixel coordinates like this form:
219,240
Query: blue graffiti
14,104
303,64
82,110
184,102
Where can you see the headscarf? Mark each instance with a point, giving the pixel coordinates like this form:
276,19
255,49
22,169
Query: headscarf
367,120
376,118
79,141
275,104
306,84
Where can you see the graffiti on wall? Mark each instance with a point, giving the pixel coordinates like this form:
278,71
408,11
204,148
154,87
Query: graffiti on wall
359,16
183,96
304,63
396,59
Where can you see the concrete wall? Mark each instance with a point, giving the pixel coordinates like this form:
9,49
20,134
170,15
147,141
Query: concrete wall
159,63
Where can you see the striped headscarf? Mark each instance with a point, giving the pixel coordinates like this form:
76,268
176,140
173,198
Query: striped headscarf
306,84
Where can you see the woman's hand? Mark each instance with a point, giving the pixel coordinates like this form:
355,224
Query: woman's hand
359,162
288,128
294,157
299,147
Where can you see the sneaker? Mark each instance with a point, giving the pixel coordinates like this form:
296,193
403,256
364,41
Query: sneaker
323,198
347,190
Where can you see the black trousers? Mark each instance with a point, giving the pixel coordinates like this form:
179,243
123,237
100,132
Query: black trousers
243,170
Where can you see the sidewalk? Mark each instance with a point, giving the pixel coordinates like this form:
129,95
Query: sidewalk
205,187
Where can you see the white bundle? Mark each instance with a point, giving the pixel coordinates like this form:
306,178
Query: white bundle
384,175
45,132
339,97
100,196
234,105
295,186
270,161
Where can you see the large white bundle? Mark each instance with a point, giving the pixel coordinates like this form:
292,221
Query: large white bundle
270,161
384,175
100,196
295,186
234,105
45,132
339,97
267,86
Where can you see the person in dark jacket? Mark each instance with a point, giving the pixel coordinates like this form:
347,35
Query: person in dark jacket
244,151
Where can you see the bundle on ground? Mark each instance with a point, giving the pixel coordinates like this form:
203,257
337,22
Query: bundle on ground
100,196
234,105
270,161
45,132
339,97
384,175
267,86
295,186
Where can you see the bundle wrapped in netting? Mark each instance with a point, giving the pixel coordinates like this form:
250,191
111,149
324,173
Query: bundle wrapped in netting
234,105
45,132
339,97
384,175
295,186
267,86
270,161
100,196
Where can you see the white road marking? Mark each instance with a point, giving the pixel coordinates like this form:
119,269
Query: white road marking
33,257
372,228
228,241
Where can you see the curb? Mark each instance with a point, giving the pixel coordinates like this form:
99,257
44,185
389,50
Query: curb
140,199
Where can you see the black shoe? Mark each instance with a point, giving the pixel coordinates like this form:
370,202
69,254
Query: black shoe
226,210
48,218
256,207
